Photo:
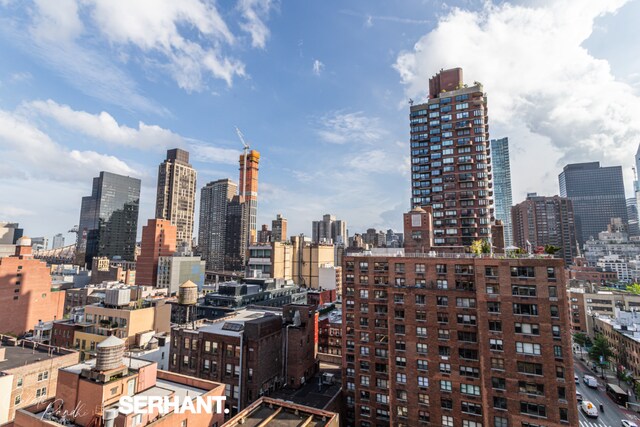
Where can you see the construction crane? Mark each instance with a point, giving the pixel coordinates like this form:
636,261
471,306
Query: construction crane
244,166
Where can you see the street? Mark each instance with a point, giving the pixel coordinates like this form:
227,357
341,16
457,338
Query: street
613,414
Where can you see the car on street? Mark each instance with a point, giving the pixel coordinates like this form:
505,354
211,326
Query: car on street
590,381
579,396
575,376
589,409
627,423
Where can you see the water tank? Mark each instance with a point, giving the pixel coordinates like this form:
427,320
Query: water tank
110,353
117,297
188,293
110,416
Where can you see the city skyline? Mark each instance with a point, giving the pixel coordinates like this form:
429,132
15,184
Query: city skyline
79,128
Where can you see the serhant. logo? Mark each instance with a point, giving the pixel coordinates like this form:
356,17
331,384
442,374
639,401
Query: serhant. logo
165,404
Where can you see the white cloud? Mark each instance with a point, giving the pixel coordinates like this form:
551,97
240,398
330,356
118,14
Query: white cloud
318,66
105,128
543,86
20,77
205,152
341,128
26,152
255,12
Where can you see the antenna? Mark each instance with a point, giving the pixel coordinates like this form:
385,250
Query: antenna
244,166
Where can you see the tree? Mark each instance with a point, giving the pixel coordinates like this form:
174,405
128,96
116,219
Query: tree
634,288
480,246
600,348
551,249
582,339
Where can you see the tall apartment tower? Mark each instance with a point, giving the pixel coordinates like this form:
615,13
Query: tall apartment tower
249,190
450,162
540,221
176,197
58,241
464,341
237,230
329,229
502,185
632,216
597,194
109,219
279,229
215,198
158,240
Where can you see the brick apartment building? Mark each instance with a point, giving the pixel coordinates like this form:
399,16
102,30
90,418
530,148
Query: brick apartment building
330,333
456,341
26,294
254,351
28,372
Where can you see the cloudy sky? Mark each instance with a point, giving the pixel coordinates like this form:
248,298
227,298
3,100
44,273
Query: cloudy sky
319,88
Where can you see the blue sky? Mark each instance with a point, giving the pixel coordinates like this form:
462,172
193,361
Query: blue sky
319,88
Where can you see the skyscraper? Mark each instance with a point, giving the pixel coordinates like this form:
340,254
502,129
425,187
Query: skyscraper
237,230
176,197
329,229
158,240
58,241
632,216
249,190
597,194
450,163
279,229
540,221
215,198
109,219
502,185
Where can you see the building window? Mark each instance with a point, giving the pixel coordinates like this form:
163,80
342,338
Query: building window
447,421
41,392
445,385
401,378
500,422
528,348
43,376
17,400
471,389
498,383
19,383
496,345
445,368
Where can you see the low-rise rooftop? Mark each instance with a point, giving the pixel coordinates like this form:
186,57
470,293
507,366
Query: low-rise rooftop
27,353
267,412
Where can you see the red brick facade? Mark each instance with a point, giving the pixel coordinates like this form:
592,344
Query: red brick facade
440,341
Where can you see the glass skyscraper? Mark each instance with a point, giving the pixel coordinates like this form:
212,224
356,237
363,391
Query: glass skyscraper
502,185
109,219
597,194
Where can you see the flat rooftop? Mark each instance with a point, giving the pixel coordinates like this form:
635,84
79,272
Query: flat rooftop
130,362
19,356
267,412
232,325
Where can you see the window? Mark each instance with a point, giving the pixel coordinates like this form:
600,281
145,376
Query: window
421,315
471,389
445,385
466,302
423,382
422,365
17,400
445,368
41,392
401,378
421,299
495,325
531,388
530,368
401,361
496,345
527,328
421,332
523,291
468,353
467,423
403,411
444,351
466,319
471,408
380,383
19,383
447,421
531,408
554,311
469,371
523,272
423,399
555,331
526,309
497,363
364,380
43,376
500,422
401,395
557,351
465,336
498,383
443,318
528,348
493,307
442,301
499,402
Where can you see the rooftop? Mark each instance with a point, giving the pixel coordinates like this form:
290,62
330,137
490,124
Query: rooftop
234,324
22,355
267,412
91,363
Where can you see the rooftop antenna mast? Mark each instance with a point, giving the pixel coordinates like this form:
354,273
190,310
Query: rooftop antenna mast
244,166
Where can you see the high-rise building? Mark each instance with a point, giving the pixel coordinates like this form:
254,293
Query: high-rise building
329,230
540,221
176,197
235,242
501,168
58,241
158,240
632,216
109,219
215,198
264,235
463,341
9,235
597,194
26,295
450,162
279,229
249,190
